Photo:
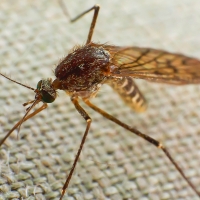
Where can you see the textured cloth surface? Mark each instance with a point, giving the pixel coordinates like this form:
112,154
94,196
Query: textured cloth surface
114,164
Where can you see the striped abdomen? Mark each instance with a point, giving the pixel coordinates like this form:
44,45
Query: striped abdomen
129,92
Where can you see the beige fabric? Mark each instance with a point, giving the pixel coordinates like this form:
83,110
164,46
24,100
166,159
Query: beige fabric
115,164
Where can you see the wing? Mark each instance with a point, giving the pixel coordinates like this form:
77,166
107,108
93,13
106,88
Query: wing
154,65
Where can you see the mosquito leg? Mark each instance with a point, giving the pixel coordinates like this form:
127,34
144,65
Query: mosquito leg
88,120
94,19
146,137
44,106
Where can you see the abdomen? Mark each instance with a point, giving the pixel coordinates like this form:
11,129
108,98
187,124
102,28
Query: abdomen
129,92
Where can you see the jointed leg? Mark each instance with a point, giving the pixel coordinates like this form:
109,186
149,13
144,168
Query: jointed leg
94,19
88,120
44,106
146,137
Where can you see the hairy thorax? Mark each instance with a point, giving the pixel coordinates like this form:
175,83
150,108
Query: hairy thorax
83,69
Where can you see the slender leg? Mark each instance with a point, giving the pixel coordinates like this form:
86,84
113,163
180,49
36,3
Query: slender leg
44,106
146,137
88,121
94,19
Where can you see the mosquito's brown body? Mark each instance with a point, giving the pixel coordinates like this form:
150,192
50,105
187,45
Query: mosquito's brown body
86,68
82,72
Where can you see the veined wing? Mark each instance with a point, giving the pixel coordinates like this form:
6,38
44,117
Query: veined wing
154,65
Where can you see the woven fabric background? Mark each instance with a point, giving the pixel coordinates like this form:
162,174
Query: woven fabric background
115,164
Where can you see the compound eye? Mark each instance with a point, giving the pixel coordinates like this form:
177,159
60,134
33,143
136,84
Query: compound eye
47,93
47,97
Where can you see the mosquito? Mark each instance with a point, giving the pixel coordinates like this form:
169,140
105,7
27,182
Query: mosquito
86,68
